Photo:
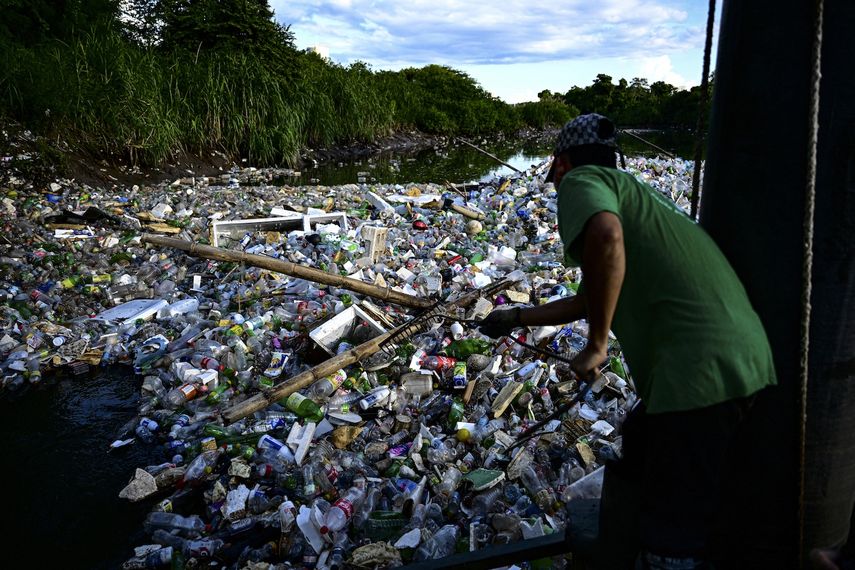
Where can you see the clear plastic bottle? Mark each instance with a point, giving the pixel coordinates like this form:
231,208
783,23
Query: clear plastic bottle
324,387
440,545
205,362
482,503
190,526
366,508
201,466
450,481
341,513
538,489
180,396
210,347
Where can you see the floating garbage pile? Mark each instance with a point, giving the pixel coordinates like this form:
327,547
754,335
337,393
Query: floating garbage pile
670,177
305,421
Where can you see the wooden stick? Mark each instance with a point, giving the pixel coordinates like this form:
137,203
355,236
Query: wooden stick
493,156
454,188
280,266
466,212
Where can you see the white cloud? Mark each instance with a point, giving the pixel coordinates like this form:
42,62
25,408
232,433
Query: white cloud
660,68
478,32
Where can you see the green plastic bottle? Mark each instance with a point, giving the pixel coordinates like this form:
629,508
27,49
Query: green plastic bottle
462,349
455,414
617,366
304,407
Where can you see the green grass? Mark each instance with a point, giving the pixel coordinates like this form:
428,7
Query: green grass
123,101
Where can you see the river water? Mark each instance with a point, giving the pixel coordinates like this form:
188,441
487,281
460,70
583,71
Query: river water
60,485
460,163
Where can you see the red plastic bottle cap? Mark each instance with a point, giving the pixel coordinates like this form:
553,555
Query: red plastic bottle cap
325,529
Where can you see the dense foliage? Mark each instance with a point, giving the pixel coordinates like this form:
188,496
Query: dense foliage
635,103
142,80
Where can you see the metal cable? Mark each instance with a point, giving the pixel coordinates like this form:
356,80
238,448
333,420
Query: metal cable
807,260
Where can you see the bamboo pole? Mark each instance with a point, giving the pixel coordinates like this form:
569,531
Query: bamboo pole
355,354
466,212
462,210
280,266
493,156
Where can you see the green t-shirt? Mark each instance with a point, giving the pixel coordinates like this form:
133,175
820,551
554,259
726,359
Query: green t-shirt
688,331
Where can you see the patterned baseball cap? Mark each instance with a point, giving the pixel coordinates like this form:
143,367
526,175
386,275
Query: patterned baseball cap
584,129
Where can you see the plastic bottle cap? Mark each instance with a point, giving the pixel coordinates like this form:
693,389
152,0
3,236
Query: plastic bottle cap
325,529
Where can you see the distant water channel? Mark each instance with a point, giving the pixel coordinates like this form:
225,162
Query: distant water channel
460,163
60,486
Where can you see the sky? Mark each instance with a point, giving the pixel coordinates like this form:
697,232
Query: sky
514,49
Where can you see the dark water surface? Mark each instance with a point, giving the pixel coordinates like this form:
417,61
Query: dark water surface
460,163
60,486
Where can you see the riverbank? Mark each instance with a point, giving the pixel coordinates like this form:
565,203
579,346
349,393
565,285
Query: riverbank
42,160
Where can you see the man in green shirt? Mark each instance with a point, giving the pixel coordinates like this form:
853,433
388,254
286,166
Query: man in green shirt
695,347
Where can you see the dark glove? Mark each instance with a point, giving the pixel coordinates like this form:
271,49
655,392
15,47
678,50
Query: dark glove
500,322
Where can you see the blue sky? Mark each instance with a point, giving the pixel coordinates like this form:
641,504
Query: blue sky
514,49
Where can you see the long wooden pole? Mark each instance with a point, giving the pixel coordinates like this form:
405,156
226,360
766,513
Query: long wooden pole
355,354
280,266
493,156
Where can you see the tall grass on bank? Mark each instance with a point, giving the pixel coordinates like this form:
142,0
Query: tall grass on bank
121,100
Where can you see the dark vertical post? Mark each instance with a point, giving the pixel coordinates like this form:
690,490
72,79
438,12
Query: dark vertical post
754,190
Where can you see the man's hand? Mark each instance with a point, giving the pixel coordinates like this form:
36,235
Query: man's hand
587,363
500,322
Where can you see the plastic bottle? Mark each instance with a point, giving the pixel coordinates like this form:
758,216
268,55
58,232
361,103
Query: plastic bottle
210,347
181,307
482,503
462,349
280,449
202,549
438,363
375,397
190,526
219,395
450,481
455,413
537,488
304,407
326,386
256,323
336,561
201,466
440,545
343,402
179,396
157,559
205,362
342,510
366,508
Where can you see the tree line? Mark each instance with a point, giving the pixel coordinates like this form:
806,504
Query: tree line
637,102
142,80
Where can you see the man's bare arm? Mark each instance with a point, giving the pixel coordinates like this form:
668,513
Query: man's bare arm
557,312
604,265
